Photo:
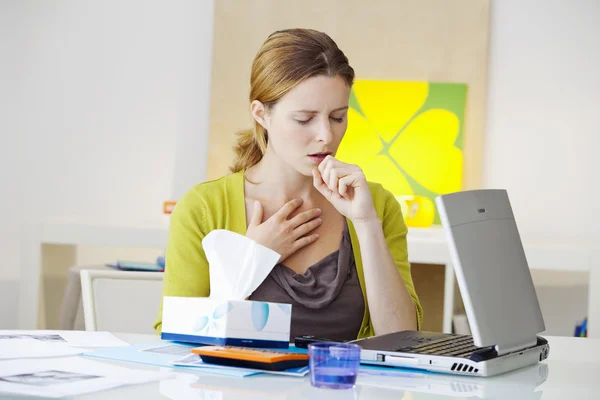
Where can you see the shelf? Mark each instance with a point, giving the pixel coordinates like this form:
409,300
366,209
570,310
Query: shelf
98,235
425,245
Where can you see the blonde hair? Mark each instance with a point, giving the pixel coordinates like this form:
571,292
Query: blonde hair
285,59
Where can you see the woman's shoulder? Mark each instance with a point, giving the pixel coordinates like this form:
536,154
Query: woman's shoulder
209,195
209,188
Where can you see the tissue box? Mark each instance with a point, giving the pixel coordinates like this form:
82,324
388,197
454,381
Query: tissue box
226,322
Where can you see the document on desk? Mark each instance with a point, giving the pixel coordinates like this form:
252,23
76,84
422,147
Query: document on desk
68,377
70,338
32,348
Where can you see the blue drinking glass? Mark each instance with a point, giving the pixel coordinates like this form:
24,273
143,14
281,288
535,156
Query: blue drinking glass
333,365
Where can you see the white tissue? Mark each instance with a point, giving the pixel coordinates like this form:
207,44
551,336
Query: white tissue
237,264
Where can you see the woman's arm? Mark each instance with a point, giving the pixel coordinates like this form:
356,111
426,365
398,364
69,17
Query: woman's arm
186,271
391,305
384,252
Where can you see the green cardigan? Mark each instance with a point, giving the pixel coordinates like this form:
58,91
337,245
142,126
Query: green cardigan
220,204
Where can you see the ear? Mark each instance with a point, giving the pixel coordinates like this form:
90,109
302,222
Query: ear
259,113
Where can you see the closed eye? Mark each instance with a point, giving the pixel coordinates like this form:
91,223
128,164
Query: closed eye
306,121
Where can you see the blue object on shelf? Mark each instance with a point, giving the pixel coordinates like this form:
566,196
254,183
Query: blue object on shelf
125,265
581,329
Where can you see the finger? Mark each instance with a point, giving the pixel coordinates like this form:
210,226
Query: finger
305,216
325,167
345,186
324,164
318,179
307,227
336,162
320,185
287,209
304,241
333,180
327,174
257,214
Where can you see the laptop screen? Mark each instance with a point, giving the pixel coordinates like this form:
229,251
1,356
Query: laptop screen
491,267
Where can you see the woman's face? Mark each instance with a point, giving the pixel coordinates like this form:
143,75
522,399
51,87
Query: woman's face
308,123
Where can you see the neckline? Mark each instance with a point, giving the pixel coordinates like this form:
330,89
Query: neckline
294,273
240,175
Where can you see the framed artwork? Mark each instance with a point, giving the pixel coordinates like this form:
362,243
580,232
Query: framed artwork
408,136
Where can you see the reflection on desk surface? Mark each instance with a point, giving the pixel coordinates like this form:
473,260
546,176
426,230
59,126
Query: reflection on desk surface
405,384
522,384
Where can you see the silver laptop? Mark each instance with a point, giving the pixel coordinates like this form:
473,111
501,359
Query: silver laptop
496,286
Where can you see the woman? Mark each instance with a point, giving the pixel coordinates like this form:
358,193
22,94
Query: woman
342,240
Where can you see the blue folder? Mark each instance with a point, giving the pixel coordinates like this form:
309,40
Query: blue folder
134,354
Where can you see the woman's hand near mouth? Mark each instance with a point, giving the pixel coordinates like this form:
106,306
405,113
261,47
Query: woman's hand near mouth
345,186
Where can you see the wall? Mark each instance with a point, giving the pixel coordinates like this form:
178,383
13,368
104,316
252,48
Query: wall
99,94
542,134
10,171
542,130
112,86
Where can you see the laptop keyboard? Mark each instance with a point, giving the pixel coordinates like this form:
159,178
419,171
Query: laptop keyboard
452,346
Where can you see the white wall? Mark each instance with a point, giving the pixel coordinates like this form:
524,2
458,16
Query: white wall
112,85
542,134
543,128
98,93
10,168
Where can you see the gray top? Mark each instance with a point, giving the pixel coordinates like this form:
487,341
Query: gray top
327,300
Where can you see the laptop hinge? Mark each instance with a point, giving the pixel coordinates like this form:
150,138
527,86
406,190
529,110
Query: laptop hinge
506,349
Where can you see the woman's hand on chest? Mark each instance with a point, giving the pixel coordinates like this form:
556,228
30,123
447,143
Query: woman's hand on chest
284,232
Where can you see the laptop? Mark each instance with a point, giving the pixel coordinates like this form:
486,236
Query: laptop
497,289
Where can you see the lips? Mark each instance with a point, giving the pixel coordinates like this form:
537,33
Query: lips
318,157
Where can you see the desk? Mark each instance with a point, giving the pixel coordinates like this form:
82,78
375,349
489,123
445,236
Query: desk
572,371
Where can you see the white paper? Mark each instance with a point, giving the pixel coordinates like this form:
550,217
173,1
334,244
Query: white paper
237,264
68,377
92,339
70,338
32,348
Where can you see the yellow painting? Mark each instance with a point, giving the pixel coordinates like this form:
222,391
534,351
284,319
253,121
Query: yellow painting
408,136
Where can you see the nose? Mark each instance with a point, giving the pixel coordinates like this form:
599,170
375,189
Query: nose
325,133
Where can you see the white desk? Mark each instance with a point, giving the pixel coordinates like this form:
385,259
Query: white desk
572,371
426,246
